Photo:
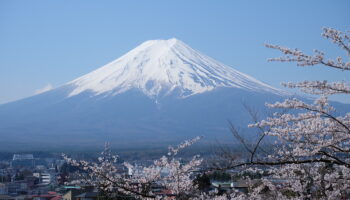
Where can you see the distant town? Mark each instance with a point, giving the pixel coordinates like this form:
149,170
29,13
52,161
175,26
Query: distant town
27,177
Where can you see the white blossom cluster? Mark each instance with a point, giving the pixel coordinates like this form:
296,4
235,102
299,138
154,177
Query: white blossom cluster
168,171
312,155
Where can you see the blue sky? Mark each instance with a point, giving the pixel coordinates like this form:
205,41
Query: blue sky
52,42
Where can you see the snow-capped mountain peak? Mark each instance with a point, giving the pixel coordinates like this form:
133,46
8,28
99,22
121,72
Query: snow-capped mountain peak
159,67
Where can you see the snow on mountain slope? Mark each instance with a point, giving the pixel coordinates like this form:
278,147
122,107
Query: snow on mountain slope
159,67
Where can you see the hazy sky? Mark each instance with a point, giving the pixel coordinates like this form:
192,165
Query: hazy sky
44,44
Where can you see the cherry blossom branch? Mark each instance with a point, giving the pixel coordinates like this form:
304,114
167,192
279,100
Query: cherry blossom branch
335,158
302,59
321,87
338,38
279,163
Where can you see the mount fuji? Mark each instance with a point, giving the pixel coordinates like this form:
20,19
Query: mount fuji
162,91
158,67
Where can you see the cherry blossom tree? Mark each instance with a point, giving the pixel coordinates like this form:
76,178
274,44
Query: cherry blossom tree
311,159
170,172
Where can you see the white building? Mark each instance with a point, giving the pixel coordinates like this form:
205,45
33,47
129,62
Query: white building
45,178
